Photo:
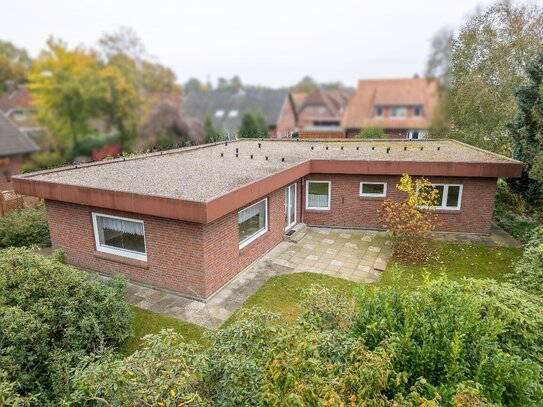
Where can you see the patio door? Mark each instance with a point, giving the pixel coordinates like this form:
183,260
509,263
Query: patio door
290,206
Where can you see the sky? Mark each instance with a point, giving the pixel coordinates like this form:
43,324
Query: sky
273,43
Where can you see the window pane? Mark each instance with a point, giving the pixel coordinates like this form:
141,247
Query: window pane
252,220
317,196
377,189
121,234
453,196
439,201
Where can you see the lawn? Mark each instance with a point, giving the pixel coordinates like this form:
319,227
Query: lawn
148,322
283,294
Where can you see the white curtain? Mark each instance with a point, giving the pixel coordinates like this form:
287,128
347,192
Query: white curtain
252,211
120,225
317,201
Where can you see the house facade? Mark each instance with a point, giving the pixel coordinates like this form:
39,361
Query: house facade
190,220
403,108
323,109
225,108
15,148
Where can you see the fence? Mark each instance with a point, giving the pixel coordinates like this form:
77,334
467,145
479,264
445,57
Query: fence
10,201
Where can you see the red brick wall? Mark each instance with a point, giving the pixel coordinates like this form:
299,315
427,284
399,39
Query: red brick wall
175,258
348,209
223,259
9,166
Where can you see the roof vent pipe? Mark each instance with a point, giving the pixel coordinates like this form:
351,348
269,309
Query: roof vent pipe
222,154
312,148
251,156
422,148
404,148
357,148
283,159
388,150
266,158
373,148
226,143
237,155
327,147
438,148
237,151
342,147
259,145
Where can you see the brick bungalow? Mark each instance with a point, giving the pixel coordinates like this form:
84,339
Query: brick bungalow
190,220
403,108
15,148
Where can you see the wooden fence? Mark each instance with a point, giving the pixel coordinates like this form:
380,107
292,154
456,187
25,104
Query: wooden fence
10,201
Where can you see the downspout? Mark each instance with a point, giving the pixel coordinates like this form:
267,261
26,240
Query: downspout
302,184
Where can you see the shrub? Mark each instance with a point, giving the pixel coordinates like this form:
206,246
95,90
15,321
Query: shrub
25,227
411,220
372,132
447,334
528,273
51,315
44,161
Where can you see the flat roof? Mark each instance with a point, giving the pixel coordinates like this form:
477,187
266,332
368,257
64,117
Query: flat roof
203,174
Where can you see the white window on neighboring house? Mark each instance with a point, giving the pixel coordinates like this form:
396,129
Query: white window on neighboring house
398,111
19,115
416,134
318,195
450,196
233,113
252,222
373,189
322,109
379,111
417,111
120,236
219,113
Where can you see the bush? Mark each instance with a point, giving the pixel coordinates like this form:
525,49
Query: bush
43,161
84,147
528,273
25,227
372,132
51,315
471,343
411,220
449,334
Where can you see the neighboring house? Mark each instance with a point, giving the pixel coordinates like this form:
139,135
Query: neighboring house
190,220
402,107
298,99
323,108
16,104
15,147
226,108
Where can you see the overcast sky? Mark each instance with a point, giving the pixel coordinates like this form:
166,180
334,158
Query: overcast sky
271,43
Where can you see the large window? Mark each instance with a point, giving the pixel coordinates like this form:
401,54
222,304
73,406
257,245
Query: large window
121,236
373,189
252,222
317,195
450,196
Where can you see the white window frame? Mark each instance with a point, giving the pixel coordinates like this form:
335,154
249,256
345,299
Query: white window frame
420,112
318,208
396,109
382,109
384,194
115,250
233,113
287,227
422,134
219,113
259,233
446,195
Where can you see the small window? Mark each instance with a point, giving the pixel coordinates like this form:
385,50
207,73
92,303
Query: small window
308,108
318,195
19,115
379,111
416,134
322,109
375,189
252,222
398,111
120,236
450,196
417,110
233,113
219,113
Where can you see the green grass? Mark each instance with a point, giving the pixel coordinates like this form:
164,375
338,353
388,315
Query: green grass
148,322
456,261
283,294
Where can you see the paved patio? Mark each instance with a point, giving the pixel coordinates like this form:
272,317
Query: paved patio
354,255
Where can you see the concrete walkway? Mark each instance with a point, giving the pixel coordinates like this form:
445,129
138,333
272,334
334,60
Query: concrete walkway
354,255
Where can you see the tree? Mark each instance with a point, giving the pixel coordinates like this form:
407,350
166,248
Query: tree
371,132
306,85
248,128
68,90
192,85
14,64
526,134
211,134
411,219
488,60
51,315
261,126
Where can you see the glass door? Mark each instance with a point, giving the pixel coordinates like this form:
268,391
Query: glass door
290,206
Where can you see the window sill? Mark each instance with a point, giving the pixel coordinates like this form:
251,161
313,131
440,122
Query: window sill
317,209
121,259
371,198
249,244
448,211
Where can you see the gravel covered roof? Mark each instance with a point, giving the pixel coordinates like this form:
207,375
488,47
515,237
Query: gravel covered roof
202,174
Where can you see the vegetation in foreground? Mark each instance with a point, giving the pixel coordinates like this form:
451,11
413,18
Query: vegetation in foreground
442,343
25,227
